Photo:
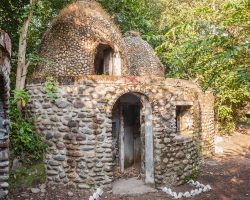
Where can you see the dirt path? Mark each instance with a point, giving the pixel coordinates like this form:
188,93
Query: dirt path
227,173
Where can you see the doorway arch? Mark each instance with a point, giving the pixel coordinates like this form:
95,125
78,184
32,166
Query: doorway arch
132,133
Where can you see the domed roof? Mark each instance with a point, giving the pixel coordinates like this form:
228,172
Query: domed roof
70,44
140,58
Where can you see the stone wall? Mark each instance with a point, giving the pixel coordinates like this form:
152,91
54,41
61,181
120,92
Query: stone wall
5,50
207,120
78,127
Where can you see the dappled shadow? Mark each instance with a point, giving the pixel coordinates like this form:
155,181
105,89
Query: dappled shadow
240,152
228,173
237,145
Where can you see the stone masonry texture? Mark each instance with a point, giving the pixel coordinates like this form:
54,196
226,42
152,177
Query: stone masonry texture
77,128
140,58
5,53
68,47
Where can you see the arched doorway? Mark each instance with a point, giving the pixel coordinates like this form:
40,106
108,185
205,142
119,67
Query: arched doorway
132,134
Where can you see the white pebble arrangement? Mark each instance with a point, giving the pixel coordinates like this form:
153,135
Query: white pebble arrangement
199,189
97,194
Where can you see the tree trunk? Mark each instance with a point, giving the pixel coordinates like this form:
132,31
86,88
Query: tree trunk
22,66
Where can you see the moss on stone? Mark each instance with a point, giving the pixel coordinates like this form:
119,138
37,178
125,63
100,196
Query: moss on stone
27,176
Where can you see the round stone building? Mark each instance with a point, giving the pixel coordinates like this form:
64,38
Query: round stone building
114,109
82,40
140,57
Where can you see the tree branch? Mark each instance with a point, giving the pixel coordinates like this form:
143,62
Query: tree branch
21,65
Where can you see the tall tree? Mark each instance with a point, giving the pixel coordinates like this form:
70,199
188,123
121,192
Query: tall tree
22,65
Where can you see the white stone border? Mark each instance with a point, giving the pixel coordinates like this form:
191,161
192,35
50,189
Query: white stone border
96,195
200,188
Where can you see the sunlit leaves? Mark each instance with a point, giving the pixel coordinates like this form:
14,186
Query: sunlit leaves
211,45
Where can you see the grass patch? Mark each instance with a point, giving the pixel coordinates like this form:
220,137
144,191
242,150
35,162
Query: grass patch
27,176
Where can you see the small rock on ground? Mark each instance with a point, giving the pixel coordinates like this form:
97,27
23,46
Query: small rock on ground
70,194
43,186
35,190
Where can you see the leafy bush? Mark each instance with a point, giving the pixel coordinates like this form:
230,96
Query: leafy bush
25,142
20,97
211,46
50,88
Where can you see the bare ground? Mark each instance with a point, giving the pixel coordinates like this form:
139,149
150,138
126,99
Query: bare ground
227,173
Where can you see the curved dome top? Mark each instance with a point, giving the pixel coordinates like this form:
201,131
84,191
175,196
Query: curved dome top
79,40
140,58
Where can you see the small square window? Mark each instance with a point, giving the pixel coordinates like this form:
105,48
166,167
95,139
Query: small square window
184,120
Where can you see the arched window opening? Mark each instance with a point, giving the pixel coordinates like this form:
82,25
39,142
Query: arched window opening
103,59
107,62
184,120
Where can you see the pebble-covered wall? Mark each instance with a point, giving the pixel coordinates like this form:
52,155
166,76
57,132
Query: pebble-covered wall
69,46
5,53
140,59
207,121
80,48
77,127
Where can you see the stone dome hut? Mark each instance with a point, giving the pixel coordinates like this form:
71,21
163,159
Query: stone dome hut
114,109
82,40
5,53
141,60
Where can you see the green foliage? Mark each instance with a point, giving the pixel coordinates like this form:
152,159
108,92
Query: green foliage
20,97
50,88
211,46
25,142
137,15
27,176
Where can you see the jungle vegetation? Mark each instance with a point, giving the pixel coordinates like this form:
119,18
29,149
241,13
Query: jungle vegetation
206,41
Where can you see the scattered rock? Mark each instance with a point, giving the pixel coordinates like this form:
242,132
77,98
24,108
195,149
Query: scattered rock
43,186
212,162
2,194
35,190
16,164
43,190
70,194
84,186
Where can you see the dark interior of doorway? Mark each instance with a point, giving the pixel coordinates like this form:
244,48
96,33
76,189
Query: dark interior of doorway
127,118
131,116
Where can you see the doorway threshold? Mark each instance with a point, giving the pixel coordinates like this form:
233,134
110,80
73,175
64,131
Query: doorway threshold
131,186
